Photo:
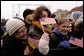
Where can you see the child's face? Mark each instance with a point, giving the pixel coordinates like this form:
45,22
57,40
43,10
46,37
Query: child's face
63,28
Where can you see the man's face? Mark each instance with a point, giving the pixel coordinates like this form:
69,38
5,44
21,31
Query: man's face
21,33
63,28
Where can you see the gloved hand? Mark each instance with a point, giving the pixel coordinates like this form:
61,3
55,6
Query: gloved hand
65,44
45,36
43,44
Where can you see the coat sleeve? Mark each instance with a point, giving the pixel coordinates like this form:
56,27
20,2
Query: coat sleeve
44,44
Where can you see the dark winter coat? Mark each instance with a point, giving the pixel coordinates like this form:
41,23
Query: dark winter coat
13,46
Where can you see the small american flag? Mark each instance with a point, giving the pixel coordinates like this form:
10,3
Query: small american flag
76,42
33,42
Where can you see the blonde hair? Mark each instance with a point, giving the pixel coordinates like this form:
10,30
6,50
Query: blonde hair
61,21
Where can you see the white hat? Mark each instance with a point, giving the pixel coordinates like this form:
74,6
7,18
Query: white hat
13,25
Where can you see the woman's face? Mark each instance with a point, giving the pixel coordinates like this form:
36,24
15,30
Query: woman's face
21,32
63,28
29,18
44,14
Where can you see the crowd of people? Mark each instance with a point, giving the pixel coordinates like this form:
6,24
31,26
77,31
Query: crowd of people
26,37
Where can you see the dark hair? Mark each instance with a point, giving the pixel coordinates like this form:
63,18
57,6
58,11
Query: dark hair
27,12
53,15
38,12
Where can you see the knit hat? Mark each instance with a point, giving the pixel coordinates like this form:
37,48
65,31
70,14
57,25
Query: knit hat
13,25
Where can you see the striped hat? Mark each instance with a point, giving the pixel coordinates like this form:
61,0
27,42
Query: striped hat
13,25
